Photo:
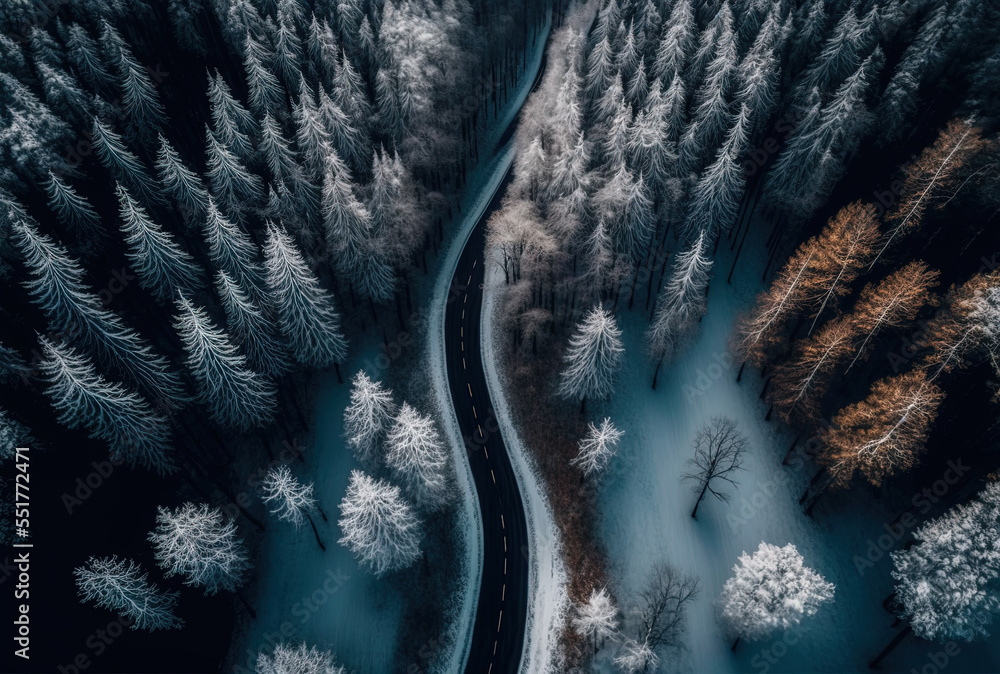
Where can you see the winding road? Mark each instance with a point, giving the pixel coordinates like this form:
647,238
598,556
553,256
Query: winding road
498,633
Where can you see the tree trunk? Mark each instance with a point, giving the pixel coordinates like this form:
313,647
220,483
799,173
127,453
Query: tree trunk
694,513
583,404
656,372
788,454
735,644
313,524
340,379
246,604
322,514
892,645
739,375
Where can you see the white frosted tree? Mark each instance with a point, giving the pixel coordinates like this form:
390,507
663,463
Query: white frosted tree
57,288
682,304
163,267
107,410
306,315
594,355
597,618
771,589
234,187
949,582
124,166
71,208
379,526
200,544
121,586
417,457
183,186
266,92
368,417
289,499
235,396
251,327
597,447
301,660
635,657
233,252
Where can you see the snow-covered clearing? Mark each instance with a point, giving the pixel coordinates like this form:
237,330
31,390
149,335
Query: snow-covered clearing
644,508
325,598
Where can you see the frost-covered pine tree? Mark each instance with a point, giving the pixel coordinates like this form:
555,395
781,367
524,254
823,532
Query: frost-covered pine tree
368,417
593,358
71,208
233,252
302,660
124,166
86,58
379,526
252,327
311,135
236,396
306,315
234,187
949,582
417,457
57,288
230,119
771,589
597,618
682,304
676,43
277,151
138,96
715,198
163,267
183,187
597,448
121,586
107,410
200,544
266,92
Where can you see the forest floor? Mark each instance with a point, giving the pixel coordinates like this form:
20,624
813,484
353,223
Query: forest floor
644,510
324,598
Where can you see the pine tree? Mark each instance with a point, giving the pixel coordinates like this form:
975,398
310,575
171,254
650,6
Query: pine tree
287,48
231,125
236,396
306,315
108,411
277,152
716,196
368,417
597,448
64,95
948,582
57,288
71,208
200,544
771,589
593,358
183,186
310,133
892,303
885,432
163,267
121,586
349,141
266,93
138,95
683,303
124,166
379,526
233,186
86,58
251,327
800,383
967,326
418,459
934,176
233,252
676,43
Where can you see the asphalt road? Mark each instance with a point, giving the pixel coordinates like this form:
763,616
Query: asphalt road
498,635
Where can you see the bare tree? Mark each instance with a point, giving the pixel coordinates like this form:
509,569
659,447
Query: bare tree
718,453
597,448
289,499
301,660
120,585
659,617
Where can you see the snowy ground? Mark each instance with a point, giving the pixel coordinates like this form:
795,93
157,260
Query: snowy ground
324,598
644,509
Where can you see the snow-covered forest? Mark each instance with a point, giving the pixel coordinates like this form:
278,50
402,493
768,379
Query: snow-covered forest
831,170
737,258
205,207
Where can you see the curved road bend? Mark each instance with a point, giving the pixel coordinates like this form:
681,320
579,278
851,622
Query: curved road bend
498,634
